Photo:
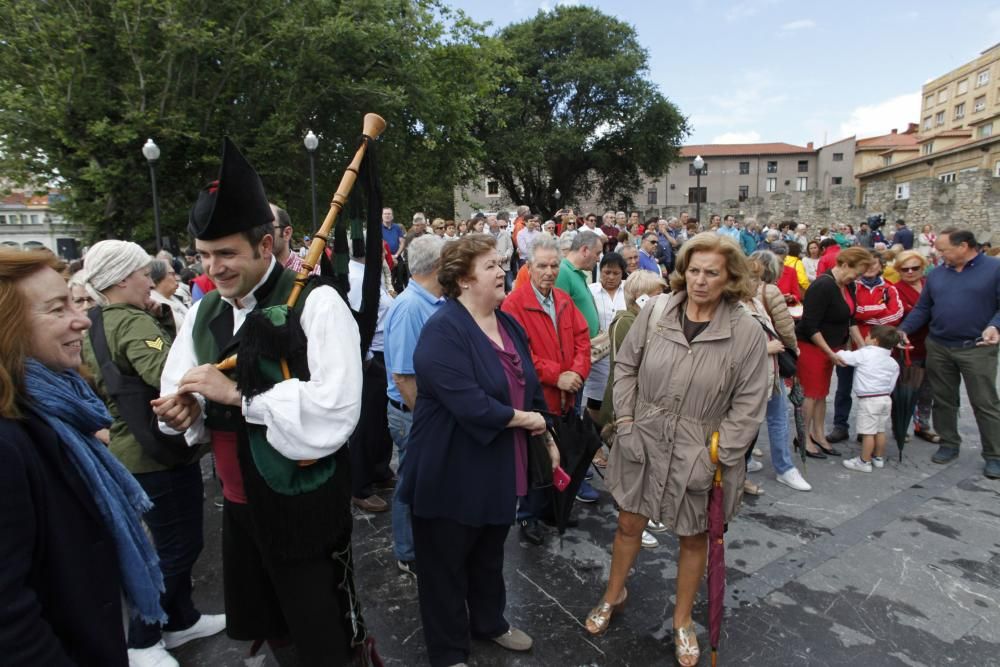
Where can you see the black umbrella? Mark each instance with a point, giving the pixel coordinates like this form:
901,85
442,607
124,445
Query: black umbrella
904,396
578,441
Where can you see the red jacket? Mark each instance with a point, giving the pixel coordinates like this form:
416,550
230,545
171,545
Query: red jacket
788,283
909,297
552,354
828,260
877,305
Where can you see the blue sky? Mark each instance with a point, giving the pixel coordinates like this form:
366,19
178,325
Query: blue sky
779,70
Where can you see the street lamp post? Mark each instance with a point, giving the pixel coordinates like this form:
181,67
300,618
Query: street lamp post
312,142
557,196
152,153
699,164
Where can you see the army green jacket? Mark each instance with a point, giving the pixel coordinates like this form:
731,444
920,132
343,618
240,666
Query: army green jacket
139,347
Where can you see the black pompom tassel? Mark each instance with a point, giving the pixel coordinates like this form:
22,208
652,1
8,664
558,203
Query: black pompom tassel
263,340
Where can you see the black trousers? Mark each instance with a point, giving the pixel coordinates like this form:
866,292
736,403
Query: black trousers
175,521
371,443
271,599
460,584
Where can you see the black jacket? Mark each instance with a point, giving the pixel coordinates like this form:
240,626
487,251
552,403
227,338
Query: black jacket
60,588
824,310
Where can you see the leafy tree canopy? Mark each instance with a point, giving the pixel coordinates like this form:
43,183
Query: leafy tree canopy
579,115
83,83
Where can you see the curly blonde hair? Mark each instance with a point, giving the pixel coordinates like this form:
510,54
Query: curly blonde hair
739,278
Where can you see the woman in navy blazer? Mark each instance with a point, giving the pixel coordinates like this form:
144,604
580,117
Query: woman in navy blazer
466,454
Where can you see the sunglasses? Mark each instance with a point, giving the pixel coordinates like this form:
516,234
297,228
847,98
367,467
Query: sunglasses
909,269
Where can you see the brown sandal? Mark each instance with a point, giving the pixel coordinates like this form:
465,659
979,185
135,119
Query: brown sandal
928,435
599,617
686,644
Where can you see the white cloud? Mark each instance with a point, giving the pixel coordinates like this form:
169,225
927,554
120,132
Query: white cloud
751,137
752,98
801,24
876,119
746,9
548,6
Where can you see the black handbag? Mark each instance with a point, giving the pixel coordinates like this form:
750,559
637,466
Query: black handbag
132,397
788,361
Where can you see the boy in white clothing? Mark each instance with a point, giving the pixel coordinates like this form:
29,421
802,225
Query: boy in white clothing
875,376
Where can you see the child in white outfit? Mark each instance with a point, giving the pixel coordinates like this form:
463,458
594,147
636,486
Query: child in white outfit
875,376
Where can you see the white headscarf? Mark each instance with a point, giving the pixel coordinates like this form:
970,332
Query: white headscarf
108,263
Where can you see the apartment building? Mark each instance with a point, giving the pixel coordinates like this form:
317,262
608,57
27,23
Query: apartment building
28,222
967,97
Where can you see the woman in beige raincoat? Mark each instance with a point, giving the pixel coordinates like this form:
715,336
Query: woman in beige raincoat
700,367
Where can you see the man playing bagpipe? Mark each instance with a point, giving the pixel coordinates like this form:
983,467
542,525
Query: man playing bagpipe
278,428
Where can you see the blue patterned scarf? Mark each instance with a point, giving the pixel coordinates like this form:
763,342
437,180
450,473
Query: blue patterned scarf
67,404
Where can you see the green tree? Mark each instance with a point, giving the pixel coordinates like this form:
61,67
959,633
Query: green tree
579,115
83,83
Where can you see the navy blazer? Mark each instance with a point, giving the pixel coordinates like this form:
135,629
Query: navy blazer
459,461
60,587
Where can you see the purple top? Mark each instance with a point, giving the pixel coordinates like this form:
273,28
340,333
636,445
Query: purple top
514,373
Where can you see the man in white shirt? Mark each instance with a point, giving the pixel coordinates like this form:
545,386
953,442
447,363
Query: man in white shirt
281,550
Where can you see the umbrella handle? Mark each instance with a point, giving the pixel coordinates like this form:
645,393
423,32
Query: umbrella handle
713,453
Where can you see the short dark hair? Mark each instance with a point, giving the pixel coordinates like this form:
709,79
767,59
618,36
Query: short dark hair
255,235
284,220
827,243
794,249
457,259
614,259
651,235
887,337
958,236
901,222
503,215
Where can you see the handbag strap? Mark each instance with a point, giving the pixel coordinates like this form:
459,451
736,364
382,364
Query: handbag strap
659,305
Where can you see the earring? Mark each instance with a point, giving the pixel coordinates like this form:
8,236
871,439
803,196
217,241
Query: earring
465,287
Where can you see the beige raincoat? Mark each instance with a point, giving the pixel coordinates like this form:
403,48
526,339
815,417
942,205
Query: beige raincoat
678,395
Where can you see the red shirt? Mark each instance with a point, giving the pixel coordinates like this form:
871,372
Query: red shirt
788,283
552,352
828,260
909,297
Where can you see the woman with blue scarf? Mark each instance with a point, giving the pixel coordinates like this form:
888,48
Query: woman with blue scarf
71,544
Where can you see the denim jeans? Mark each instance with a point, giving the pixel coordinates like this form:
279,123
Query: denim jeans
175,521
777,431
400,424
842,400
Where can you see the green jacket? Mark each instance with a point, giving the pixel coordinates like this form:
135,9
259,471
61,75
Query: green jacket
139,347
574,282
619,328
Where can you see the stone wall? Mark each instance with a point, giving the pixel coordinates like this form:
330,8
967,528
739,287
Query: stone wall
972,202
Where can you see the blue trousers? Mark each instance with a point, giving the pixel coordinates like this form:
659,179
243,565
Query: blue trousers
842,399
400,423
777,432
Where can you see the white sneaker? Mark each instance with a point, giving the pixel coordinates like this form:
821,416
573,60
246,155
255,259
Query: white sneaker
878,461
154,656
655,526
754,465
858,465
648,541
792,478
206,626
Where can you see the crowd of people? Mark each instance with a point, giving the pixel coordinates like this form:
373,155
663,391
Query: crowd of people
115,382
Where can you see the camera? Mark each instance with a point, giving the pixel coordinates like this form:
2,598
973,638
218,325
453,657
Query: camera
876,221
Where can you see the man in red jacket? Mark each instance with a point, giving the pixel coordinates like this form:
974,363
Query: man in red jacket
559,339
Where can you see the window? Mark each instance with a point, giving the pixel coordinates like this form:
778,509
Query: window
979,104
772,167
651,197
982,78
886,160
771,185
939,118
744,167
929,101
963,87
996,169
927,148
34,219
692,171
744,192
699,195
947,178
903,190
928,122
801,183
3,219
960,111
492,188
837,180
838,157
984,131
803,166
942,95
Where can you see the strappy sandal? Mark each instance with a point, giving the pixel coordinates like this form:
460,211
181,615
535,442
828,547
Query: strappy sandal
599,617
751,489
686,644
928,435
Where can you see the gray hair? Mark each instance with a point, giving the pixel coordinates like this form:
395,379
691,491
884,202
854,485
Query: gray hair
642,282
672,219
779,248
545,241
158,270
772,235
584,239
523,211
771,264
419,217
424,253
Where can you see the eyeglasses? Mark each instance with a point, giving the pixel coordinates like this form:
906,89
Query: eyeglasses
909,269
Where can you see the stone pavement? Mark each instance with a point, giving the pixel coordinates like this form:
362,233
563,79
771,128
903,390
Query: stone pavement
898,567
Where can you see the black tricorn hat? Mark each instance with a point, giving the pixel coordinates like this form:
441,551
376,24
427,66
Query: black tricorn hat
234,203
